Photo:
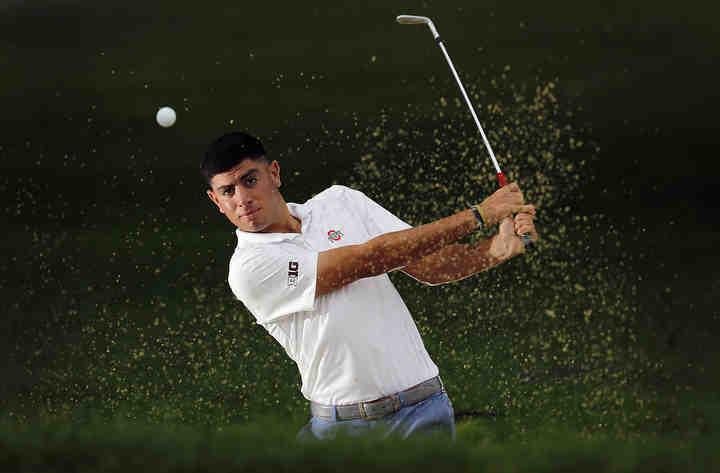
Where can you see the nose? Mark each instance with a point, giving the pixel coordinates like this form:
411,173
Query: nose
243,199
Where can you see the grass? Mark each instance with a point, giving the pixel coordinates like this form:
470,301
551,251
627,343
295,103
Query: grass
480,446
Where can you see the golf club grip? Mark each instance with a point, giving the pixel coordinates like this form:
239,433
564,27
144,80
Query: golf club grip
526,238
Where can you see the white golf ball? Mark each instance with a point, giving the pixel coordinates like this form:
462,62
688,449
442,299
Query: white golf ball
165,117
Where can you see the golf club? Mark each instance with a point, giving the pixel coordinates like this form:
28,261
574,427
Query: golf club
419,20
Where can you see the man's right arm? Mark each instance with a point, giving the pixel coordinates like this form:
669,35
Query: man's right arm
341,266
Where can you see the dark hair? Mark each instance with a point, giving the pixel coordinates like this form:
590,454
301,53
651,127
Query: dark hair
228,151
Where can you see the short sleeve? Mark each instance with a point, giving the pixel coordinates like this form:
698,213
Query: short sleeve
379,220
274,280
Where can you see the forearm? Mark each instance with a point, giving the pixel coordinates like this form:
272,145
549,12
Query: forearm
397,249
455,262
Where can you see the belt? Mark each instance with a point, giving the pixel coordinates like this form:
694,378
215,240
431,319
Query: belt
379,407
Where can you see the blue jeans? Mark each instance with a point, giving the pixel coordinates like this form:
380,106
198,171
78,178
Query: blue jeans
432,415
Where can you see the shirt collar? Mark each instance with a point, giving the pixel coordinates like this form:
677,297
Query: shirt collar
301,211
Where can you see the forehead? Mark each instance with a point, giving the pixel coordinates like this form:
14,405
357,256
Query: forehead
233,175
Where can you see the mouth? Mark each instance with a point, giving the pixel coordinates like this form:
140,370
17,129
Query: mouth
251,213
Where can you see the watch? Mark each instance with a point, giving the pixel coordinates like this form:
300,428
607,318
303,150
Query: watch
478,216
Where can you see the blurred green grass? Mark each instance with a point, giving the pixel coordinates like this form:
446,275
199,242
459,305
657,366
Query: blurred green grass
480,446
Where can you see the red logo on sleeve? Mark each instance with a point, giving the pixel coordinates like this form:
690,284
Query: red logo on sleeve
334,235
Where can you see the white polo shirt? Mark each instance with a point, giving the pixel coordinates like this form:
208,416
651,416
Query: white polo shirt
357,343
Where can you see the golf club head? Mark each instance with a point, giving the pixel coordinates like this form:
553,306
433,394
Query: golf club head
412,19
418,20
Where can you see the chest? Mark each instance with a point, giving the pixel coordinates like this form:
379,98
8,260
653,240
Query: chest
337,230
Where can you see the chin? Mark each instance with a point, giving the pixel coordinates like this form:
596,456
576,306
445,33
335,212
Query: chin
252,228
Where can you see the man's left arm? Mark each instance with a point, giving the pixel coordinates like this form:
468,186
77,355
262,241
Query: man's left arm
459,261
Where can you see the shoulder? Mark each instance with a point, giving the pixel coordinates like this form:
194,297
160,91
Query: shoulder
274,279
242,262
246,260
338,193
246,253
255,265
335,191
250,257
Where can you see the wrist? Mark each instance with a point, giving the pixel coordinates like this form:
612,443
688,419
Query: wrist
483,214
479,217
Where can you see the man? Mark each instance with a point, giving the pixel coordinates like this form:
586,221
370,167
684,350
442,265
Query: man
314,276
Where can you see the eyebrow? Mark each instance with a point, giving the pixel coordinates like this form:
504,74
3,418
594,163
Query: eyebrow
254,170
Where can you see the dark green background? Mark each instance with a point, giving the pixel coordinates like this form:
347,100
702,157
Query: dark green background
78,77
81,82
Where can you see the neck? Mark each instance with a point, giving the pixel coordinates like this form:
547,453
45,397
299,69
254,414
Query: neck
288,223
293,225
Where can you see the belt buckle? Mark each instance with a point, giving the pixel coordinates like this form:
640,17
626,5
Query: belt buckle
396,402
363,414
396,405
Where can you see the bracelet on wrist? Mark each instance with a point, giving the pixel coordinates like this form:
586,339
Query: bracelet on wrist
478,217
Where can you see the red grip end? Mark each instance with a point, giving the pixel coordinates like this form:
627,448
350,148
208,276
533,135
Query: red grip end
501,179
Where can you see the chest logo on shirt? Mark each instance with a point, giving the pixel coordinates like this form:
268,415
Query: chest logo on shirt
334,235
293,273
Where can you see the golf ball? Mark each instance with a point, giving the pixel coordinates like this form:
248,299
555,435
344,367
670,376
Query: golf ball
165,117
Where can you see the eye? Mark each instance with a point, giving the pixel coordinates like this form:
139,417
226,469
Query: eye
252,180
228,190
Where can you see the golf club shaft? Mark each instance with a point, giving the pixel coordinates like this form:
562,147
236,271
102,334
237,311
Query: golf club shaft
526,238
501,177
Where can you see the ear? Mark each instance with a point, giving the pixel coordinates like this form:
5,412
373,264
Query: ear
274,169
214,198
